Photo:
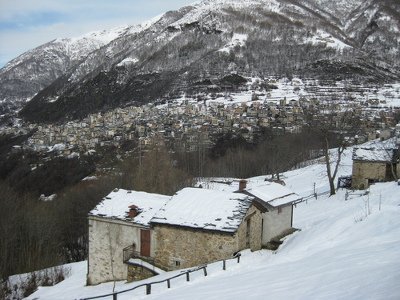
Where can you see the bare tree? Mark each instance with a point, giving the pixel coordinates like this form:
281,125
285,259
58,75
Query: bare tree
155,172
330,127
329,160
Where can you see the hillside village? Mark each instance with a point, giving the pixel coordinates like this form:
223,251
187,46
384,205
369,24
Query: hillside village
190,123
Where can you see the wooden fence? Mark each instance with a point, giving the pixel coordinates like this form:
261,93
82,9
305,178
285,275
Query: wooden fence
148,286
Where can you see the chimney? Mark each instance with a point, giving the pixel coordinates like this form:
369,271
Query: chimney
133,211
242,185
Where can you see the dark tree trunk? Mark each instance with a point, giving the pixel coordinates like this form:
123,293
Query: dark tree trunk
332,176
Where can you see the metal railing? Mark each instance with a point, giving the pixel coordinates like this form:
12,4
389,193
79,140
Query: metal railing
129,252
185,273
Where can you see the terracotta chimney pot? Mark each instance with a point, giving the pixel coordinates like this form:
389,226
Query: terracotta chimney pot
242,185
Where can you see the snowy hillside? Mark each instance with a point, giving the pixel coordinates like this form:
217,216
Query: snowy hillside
346,249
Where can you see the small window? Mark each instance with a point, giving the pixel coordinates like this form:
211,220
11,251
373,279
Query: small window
177,263
279,210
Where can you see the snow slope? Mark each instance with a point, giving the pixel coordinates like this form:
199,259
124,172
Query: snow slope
346,249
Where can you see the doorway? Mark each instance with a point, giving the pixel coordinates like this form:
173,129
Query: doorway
248,232
145,242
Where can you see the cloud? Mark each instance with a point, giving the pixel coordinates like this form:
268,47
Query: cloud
26,24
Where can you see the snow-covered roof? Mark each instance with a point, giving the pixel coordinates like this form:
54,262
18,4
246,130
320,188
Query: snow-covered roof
219,184
378,151
116,205
205,209
227,184
367,154
274,194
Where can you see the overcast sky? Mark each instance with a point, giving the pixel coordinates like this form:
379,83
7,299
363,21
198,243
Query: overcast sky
26,24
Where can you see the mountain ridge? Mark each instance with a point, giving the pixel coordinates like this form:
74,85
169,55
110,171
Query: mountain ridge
312,38
27,74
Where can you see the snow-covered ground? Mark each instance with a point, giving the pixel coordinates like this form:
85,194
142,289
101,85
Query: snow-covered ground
238,40
383,97
346,249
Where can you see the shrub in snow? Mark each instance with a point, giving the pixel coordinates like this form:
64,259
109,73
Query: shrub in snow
21,286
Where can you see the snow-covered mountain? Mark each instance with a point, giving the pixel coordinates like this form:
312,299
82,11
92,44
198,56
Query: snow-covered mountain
193,49
24,76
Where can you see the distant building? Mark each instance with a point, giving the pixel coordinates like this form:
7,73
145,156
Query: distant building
375,162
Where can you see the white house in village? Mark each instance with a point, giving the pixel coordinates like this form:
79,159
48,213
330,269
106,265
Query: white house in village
128,229
278,202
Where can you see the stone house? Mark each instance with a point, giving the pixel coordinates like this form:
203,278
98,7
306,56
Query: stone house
375,161
128,229
198,226
277,200
119,229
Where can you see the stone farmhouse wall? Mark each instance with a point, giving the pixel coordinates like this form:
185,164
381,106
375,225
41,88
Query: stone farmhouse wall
107,239
255,217
276,221
363,171
136,273
182,247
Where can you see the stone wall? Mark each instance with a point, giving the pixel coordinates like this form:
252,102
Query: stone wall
276,221
255,217
107,239
182,247
136,272
362,171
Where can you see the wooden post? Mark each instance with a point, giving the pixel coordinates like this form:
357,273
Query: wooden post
238,258
168,283
224,265
205,271
148,289
315,192
115,296
187,276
